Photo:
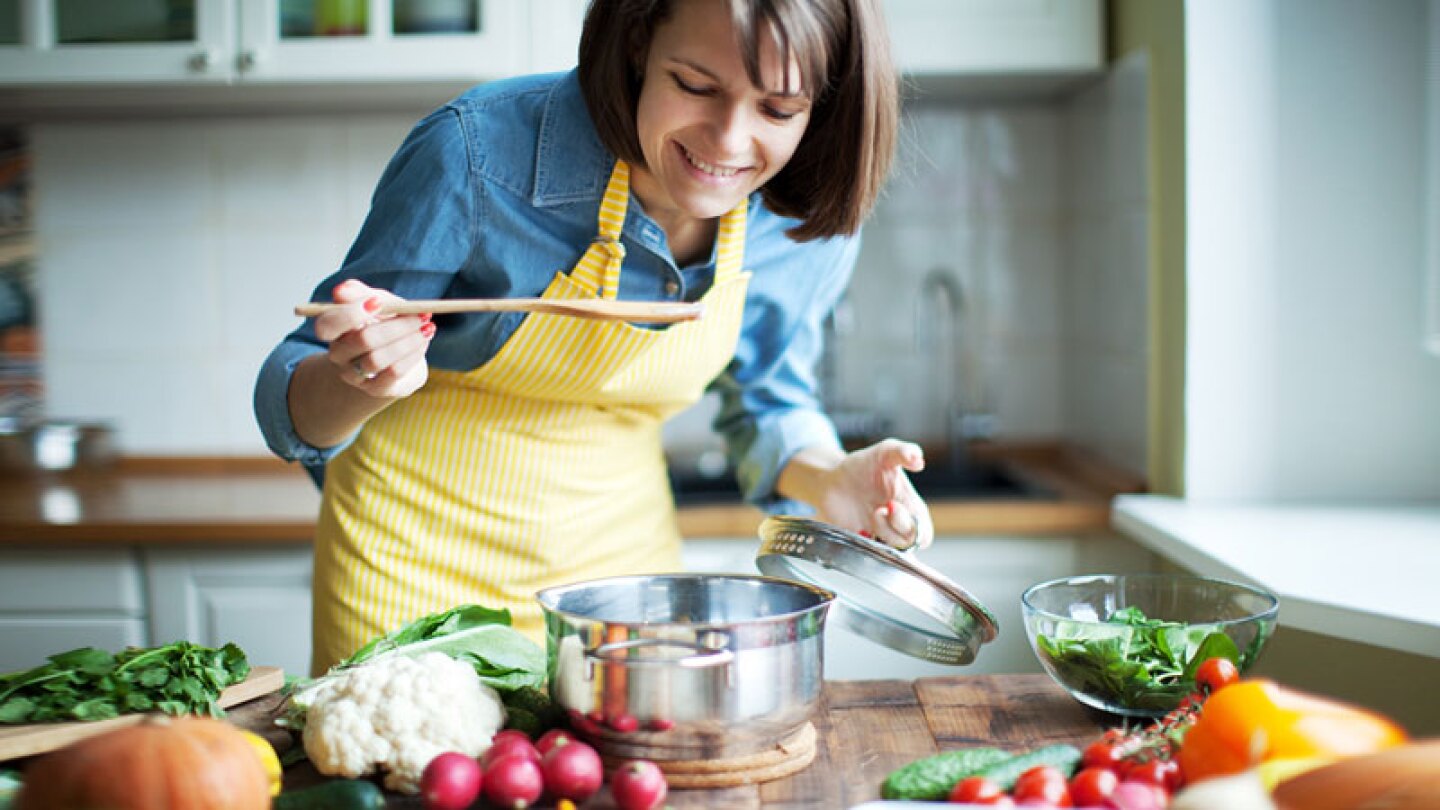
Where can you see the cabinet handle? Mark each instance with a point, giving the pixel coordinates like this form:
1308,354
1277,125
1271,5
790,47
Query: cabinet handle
201,61
247,60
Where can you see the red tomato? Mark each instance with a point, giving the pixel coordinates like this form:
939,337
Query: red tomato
1092,786
1163,773
1214,673
979,790
1044,785
1103,753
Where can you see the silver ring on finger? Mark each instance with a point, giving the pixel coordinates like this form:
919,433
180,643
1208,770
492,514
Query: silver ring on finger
361,372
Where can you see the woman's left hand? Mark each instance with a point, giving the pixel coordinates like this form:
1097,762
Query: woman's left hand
869,492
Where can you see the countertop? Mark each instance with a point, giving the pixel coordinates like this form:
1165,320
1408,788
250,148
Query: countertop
156,501
866,729
1359,572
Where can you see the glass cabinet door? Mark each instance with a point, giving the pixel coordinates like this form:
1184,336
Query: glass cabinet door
90,22
383,40
9,22
107,41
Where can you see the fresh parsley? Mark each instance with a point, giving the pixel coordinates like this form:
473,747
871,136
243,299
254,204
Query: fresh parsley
91,684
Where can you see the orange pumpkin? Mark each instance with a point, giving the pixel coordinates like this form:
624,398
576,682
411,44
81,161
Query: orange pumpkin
162,763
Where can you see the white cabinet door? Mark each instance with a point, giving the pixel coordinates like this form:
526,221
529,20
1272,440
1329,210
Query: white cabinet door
494,46
257,598
188,42
108,42
995,570
53,601
944,37
27,642
720,556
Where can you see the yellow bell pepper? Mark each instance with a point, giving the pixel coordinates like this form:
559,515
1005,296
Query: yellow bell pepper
273,774
1255,721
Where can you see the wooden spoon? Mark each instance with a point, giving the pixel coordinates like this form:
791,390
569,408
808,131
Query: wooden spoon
596,308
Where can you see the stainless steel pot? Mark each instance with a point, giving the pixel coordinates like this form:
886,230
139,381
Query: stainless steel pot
686,666
54,445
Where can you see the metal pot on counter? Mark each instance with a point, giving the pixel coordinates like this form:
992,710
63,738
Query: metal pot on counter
53,445
689,667
686,666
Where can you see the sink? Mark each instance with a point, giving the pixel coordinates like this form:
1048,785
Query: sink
693,488
970,481
978,482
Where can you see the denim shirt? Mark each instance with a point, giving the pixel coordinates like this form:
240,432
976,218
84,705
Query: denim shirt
492,194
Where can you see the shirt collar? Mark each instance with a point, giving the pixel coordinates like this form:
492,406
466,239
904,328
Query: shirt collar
571,163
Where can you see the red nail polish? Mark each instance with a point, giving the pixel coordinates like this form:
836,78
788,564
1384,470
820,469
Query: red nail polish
866,533
425,317
427,330
371,304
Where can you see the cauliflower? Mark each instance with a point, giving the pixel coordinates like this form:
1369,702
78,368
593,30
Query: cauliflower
397,714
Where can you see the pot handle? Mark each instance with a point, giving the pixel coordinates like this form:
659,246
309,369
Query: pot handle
703,656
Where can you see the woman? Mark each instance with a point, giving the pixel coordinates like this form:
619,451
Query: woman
724,151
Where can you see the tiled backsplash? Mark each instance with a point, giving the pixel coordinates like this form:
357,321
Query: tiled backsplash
172,251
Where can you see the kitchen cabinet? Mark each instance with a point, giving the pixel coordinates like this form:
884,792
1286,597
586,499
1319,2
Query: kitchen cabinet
55,600
1017,44
995,569
257,598
206,42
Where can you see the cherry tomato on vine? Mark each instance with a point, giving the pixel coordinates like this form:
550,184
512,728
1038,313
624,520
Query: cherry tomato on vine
1044,785
979,790
1163,773
1215,673
1103,753
1092,786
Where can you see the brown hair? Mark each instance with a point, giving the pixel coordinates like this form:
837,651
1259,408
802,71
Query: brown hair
842,48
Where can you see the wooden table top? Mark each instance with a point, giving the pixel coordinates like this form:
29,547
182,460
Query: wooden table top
869,728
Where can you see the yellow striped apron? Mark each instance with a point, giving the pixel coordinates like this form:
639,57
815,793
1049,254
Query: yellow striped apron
542,467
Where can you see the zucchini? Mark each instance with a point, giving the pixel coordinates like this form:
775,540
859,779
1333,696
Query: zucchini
341,794
931,778
1006,771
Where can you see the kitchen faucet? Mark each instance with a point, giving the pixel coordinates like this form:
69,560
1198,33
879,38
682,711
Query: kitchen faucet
940,309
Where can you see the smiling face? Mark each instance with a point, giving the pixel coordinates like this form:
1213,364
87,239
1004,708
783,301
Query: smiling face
708,135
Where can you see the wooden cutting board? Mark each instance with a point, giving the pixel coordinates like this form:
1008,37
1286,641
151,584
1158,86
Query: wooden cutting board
38,738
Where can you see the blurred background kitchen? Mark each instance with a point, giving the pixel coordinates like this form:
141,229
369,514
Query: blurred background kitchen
1137,245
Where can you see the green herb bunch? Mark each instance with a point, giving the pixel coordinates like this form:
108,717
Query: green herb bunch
1149,666
91,684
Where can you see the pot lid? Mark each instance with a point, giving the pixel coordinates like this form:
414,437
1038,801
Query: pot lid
884,594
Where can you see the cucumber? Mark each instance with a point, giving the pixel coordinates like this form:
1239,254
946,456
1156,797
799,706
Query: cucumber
931,778
342,794
1006,771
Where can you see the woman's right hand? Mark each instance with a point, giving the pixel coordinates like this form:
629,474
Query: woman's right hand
383,356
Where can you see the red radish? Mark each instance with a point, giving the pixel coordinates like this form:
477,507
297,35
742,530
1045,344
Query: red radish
660,724
573,770
1132,795
638,785
513,781
505,733
552,738
506,744
450,782
624,723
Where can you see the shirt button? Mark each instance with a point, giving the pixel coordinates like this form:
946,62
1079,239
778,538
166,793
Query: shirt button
671,288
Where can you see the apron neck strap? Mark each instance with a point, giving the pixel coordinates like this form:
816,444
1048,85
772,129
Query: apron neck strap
599,268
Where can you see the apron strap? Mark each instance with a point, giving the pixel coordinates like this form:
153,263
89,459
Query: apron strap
731,240
599,269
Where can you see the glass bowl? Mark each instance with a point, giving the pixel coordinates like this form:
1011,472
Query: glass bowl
1129,644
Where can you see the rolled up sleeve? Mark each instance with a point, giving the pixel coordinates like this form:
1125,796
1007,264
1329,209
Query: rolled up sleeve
770,406
420,231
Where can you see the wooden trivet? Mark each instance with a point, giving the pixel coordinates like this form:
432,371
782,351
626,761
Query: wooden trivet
789,756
